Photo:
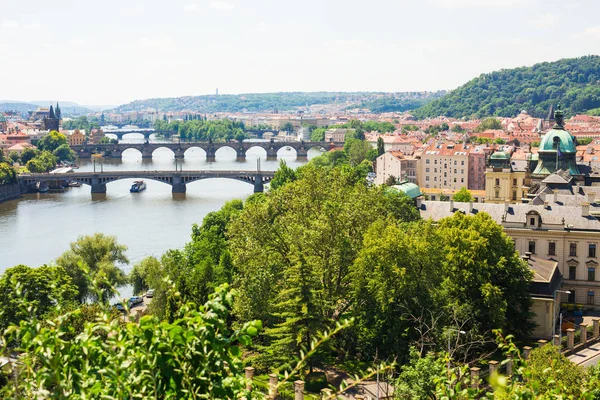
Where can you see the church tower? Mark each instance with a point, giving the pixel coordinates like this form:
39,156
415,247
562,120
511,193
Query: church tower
52,121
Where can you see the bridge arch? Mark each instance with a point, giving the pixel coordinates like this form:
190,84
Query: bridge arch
227,151
161,148
133,135
132,151
256,149
195,151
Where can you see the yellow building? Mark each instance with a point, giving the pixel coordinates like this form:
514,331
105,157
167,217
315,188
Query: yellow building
76,138
505,180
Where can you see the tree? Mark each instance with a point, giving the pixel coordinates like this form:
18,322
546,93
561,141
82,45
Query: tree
287,127
13,156
94,257
64,153
417,379
196,356
391,180
317,135
356,150
52,141
488,123
43,162
41,288
463,195
283,175
8,174
380,146
456,128
145,275
28,154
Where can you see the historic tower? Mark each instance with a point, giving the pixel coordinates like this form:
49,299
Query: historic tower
52,121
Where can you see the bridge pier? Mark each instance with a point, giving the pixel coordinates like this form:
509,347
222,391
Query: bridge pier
146,153
211,154
259,186
114,154
179,154
301,153
177,184
241,154
97,185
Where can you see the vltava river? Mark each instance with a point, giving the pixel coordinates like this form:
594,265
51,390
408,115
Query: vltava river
37,228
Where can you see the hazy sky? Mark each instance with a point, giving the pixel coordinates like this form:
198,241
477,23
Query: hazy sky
111,52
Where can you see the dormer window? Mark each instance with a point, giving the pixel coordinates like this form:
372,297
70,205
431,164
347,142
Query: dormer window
533,220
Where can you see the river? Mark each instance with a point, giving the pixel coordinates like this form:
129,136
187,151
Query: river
37,228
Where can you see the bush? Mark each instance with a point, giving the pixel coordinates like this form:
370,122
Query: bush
315,381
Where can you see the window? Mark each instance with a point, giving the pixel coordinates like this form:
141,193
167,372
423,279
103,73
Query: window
532,221
454,180
428,161
532,247
590,297
445,183
462,180
571,296
435,170
427,186
514,182
514,197
462,171
426,169
552,249
496,193
454,162
435,178
591,274
572,272
445,174
435,162
454,170
462,163
427,178
497,182
592,250
573,249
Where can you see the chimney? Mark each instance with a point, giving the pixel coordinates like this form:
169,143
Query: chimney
470,207
419,202
506,204
451,205
591,197
585,209
526,256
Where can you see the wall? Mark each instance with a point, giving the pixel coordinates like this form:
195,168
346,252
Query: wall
9,192
542,310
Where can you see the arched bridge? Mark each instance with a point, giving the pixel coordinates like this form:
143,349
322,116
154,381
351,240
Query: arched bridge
120,134
177,179
272,147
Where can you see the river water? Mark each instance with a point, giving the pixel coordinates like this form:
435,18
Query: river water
37,228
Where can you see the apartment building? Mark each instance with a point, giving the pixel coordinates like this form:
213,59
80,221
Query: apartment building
396,164
444,166
477,163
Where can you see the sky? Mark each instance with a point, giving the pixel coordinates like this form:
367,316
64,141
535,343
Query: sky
100,52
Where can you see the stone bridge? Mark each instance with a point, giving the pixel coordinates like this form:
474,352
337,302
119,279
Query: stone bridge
145,132
116,150
177,179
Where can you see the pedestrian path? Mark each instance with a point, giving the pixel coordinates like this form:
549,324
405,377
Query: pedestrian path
586,357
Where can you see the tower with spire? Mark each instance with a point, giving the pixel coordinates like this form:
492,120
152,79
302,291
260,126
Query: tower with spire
52,121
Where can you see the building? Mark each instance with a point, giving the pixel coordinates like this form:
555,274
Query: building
477,164
52,121
96,135
337,135
546,280
396,164
19,148
444,166
3,123
76,138
569,235
505,180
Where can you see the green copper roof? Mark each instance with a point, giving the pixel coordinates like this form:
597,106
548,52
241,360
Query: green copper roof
500,155
2,118
410,189
565,140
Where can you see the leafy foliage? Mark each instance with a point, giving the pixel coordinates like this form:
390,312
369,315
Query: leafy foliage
8,174
201,129
572,82
463,195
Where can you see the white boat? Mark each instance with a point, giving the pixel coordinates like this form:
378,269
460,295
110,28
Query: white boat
138,186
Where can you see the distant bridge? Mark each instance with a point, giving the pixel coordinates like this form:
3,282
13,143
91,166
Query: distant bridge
148,132
177,179
179,149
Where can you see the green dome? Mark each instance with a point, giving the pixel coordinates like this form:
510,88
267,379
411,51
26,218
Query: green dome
565,140
500,155
2,118
410,189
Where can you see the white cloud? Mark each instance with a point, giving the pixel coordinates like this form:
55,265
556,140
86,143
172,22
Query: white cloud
480,3
221,5
262,27
162,43
591,32
190,7
346,42
546,21
77,42
9,24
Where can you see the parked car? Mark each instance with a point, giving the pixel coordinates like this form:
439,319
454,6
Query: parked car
119,306
150,293
135,300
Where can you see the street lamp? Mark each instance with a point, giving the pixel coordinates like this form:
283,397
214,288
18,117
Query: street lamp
554,312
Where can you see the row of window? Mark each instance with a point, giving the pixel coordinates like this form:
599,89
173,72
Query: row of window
462,171
428,161
514,182
462,180
572,249
589,300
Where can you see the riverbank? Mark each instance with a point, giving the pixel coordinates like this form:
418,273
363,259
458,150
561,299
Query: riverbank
10,192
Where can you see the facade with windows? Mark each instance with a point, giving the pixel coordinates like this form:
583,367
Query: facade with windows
444,166
396,164
569,235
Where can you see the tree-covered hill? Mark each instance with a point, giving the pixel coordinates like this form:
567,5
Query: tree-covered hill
574,82
268,102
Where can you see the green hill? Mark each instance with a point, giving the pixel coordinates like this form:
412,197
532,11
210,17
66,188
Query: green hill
283,101
573,82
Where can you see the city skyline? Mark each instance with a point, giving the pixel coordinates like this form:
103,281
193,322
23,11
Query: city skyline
113,53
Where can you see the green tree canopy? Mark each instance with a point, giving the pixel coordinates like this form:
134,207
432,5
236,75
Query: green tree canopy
463,195
52,141
94,257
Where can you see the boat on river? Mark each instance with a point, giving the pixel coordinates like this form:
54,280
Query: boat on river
42,187
138,186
